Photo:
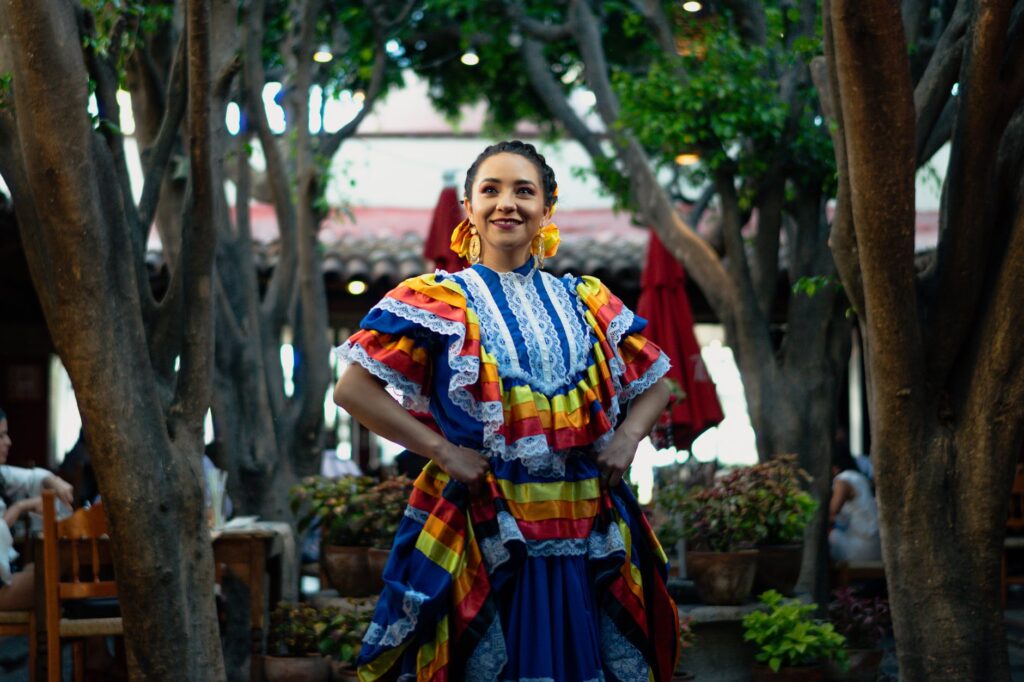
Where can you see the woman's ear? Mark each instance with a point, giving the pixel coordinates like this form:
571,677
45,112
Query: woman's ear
468,209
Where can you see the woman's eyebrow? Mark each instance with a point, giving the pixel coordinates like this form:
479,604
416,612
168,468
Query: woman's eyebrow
521,181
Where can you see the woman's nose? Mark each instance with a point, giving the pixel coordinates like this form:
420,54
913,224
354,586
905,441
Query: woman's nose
506,201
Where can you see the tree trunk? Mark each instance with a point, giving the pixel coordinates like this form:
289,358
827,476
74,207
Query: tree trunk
74,226
942,558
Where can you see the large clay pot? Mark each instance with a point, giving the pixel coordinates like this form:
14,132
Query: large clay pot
348,571
864,665
778,568
802,673
296,669
722,578
376,560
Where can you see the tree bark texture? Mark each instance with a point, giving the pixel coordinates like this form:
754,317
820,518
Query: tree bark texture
72,216
946,408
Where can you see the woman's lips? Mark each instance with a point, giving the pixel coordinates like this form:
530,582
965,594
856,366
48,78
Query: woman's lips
507,224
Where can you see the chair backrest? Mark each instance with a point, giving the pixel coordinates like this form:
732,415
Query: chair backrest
76,555
1015,519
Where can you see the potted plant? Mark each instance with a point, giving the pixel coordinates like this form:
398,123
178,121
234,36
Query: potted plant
342,639
389,498
355,514
778,491
864,622
293,645
791,644
721,526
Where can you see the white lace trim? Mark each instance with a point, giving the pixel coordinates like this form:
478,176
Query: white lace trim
410,394
415,514
538,331
656,371
556,547
493,548
600,545
490,655
492,323
599,678
620,656
397,632
576,330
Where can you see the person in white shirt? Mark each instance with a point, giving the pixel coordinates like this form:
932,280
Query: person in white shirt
22,487
853,514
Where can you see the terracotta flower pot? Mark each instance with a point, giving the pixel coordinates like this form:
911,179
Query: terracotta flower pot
296,669
376,560
348,570
864,665
722,578
800,673
778,568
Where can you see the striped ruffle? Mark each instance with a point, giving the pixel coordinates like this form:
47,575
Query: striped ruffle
428,316
439,611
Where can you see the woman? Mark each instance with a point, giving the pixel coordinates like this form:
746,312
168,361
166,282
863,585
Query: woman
25,486
522,554
853,513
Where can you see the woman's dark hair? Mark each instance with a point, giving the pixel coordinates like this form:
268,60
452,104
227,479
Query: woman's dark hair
3,415
527,151
843,460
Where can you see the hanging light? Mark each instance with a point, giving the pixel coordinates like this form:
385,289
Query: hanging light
692,6
470,58
323,54
356,287
687,159
359,96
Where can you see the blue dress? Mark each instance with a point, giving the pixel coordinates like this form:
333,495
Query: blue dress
543,576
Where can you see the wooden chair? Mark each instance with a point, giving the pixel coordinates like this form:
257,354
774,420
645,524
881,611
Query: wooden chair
1014,541
76,566
22,624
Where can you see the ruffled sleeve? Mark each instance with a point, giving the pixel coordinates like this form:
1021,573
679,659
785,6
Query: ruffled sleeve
634,362
402,333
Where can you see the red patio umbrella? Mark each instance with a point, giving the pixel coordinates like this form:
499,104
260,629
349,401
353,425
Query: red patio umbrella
437,247
664,304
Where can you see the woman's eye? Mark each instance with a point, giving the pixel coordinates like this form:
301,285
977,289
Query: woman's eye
526,190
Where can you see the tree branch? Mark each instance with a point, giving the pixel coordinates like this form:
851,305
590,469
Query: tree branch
843,238
155,157
765,269
750,20
331,145
966,222
588,36
279,290
875,97
192,395
549,92
933,90
539,30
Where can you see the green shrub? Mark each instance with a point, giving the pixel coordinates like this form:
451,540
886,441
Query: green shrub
787,635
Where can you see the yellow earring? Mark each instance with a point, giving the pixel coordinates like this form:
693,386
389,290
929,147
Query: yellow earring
474,245
537,249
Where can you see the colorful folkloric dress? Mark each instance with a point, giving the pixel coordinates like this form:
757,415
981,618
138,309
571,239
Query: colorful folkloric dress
542,576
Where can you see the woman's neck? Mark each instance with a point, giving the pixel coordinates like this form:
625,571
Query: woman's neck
505,261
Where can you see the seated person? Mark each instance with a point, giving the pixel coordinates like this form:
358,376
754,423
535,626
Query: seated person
25,486
852,513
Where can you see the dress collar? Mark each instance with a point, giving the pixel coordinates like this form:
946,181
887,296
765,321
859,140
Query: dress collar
523,270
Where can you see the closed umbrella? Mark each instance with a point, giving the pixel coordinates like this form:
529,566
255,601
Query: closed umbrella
437,247
694,408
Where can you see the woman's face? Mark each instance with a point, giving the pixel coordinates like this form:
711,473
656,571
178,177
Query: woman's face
5,441
507,208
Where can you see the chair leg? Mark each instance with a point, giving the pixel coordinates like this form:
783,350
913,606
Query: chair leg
52,657
78,658
33,647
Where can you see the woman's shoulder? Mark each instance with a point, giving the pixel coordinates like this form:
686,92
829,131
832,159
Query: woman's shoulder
438,285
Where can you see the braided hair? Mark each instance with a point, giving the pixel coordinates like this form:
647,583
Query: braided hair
527,151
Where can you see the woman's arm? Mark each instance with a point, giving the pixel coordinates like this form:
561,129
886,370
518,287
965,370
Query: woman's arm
14,512
615,459
363,396
842,492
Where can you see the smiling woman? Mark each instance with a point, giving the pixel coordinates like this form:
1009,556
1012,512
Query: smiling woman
522,554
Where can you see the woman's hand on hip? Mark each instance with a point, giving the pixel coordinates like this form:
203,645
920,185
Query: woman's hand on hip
464,465
616,458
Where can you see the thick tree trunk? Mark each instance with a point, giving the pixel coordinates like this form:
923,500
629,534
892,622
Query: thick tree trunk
941,554
75,231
